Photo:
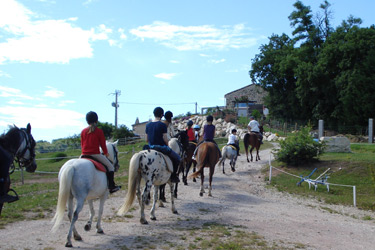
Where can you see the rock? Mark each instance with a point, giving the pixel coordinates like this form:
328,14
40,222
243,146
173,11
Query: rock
336,144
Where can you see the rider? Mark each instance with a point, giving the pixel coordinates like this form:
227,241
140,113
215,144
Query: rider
92,138
190,131
168,121
208,134
5,162
232,140
253,126
196,128
156,135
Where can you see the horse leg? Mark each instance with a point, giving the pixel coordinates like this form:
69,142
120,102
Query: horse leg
202,181
258,154
152,214
232,163
223,162
145,200
73,220
194,169
251,153
247,153
173,208
186,172
1,207
212,170
162,193
101,208
175,190
92,214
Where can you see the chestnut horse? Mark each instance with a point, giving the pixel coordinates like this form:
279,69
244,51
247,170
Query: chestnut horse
207,156
253,140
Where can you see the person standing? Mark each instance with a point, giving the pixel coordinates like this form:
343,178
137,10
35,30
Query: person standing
92,139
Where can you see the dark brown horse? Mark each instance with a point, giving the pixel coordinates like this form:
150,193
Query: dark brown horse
189,161
207,156
253,140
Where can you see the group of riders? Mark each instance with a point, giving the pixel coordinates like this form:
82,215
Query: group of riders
158,133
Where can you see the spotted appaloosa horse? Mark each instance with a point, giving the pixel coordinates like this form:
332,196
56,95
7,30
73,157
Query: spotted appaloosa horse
207,156
155,169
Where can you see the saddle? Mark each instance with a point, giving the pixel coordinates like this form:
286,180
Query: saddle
233,147
99,166
256,133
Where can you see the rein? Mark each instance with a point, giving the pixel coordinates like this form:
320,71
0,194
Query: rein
20,159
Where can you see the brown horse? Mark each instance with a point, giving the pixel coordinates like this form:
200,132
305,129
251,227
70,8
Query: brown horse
189,161
207,156
253,140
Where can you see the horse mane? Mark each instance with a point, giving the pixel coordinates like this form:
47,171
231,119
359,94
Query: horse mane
10,139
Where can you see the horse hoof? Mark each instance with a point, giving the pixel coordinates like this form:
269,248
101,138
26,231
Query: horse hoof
68,244
161,204
87,227
185,183
153,218
144,222
194,180
100,231
210,195
175,196
77,237
163,200
201,194
175,212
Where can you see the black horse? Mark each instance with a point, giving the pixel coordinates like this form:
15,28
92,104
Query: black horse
19,144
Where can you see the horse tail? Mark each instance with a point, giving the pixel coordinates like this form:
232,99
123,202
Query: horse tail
223,154
66,178
246,140
132,184
201,164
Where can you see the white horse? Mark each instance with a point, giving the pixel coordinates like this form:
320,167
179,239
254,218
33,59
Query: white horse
231,153
79,179
155,169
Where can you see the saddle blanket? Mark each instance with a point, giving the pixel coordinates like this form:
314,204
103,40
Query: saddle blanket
97,165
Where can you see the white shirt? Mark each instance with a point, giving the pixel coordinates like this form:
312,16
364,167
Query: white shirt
254,126
232,139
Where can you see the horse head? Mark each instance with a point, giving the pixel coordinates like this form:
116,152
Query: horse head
26,151
113,154
183,139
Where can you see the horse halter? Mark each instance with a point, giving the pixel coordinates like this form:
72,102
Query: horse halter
30,146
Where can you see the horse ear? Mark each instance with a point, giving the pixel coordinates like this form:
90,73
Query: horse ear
28,128
116,142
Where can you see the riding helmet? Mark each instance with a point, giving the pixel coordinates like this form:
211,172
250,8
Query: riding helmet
158,112
210,118
190,123
234,130
91,117
168,116
196,126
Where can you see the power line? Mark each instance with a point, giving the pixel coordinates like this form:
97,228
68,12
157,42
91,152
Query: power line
138,103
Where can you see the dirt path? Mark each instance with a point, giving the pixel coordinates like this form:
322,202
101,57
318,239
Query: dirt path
240,202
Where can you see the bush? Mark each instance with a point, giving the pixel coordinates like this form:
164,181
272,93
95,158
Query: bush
58,157
299,148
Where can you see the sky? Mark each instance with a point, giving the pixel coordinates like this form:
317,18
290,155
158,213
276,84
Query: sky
60,59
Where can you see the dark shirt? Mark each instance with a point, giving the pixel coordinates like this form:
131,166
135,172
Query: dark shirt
209,132
155,131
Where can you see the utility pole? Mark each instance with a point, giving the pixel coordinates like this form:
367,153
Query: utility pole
196,104
115,104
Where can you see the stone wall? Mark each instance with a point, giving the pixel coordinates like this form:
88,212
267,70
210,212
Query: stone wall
253,92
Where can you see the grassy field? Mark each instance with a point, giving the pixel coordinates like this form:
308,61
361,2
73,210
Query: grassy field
345,168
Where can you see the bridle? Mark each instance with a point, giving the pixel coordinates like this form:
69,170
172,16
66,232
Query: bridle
115,161
30,146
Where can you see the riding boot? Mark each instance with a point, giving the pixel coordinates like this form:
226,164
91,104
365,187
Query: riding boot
111,182
4,197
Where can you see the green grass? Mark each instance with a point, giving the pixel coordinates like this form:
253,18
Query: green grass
346,168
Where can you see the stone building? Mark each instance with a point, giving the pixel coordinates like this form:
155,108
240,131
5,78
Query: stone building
139,128
246,99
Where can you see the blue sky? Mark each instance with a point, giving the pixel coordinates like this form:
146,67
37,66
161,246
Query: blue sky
60,59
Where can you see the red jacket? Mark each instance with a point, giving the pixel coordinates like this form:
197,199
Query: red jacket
90,142
191,134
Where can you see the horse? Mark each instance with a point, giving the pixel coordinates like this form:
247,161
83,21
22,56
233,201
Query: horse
155,169
79,179
229,152
253,140
189,160
18,144
179,144
207,156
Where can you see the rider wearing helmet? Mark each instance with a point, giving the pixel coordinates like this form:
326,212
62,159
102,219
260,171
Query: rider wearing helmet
190,131
208,134
168,121
156,136
92,138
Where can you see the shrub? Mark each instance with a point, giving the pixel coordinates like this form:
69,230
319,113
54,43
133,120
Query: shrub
58,157
299,148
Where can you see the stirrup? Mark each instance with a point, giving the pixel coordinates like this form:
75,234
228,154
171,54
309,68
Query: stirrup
114,189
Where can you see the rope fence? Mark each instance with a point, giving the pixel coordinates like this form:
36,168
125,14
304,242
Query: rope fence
299,177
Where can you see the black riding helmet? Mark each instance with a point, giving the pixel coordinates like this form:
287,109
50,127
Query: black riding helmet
210,118
168,116
190,123
158,112
91,117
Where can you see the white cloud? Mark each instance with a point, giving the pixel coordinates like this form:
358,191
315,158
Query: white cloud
11,92
48,41
53,93
42,118
2,73
197,37
217,61
174,61
13,102
165,76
